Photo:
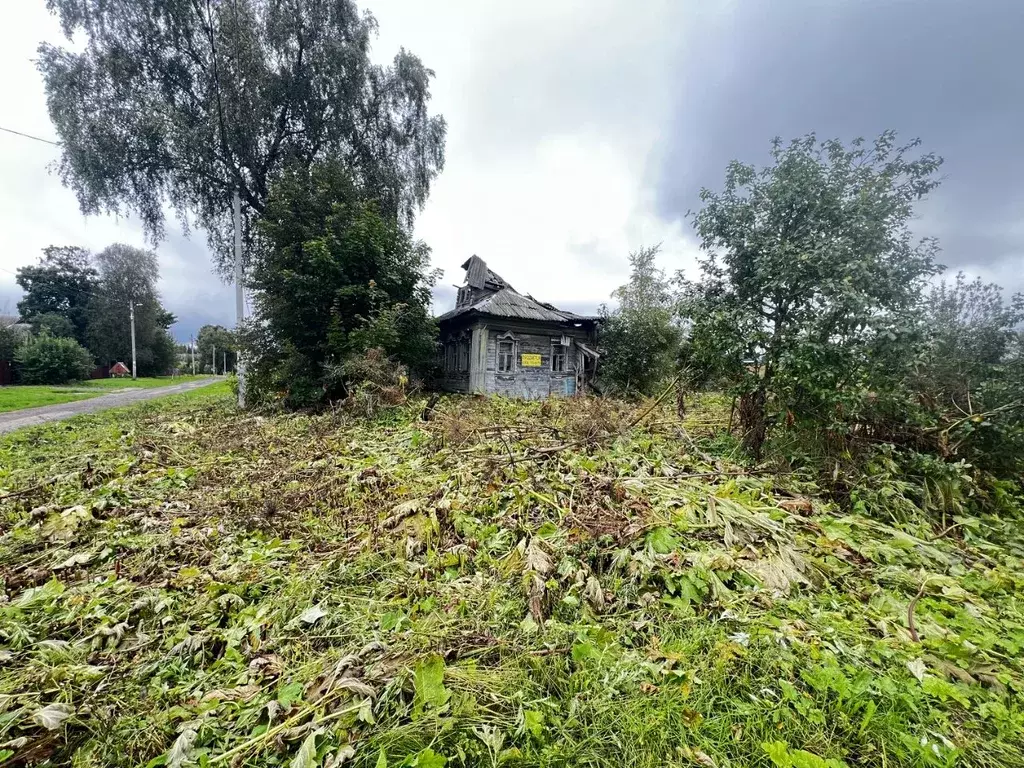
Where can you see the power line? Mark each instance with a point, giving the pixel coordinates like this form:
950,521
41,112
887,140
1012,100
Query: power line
29,136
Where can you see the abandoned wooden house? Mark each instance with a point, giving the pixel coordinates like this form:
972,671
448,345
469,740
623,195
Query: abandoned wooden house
500,341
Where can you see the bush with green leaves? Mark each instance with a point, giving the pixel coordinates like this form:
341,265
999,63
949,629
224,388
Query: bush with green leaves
639,338
970,373
54,323
334,278
9,340
47,359
811,288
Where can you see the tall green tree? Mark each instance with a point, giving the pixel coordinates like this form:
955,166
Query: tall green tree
215,340
335,278
9,340
971,331
639,338
129,275
181,102
62,283
970,373
812,280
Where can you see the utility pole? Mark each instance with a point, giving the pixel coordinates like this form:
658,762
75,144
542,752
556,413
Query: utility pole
224,363
192,346
239,298
131,310
213,359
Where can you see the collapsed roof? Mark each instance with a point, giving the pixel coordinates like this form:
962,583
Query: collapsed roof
502,300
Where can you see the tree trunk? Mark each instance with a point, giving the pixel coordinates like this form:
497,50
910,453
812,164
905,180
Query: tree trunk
753,421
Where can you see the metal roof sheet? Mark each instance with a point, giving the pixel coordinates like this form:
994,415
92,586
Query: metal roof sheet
508,303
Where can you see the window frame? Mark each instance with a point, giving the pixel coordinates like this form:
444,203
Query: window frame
559,352
462,355
498,354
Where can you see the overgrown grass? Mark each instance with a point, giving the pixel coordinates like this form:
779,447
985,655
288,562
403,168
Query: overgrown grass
15,398
536,584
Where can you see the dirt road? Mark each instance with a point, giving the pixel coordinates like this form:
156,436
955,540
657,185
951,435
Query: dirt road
30,416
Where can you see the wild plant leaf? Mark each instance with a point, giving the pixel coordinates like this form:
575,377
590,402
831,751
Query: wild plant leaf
306,756
340,757
945,690
533,722
181,749
917,668
428,685
52,716
428,758
662,540
537,559
312,615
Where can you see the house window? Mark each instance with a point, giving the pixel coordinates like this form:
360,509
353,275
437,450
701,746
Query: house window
449,356
557,356
507,356
464,355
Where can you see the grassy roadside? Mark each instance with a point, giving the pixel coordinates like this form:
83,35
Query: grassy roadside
14,398
521,584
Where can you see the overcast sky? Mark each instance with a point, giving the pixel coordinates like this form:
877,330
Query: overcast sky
582,129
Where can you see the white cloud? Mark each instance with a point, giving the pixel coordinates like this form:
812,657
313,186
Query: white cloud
555,112
36,210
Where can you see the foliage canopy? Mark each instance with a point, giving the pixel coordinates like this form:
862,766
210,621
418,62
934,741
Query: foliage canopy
812,280
639,337
185,101
215,340
129,275
334,278
62,283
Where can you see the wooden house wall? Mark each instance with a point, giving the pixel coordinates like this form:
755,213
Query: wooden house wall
524,382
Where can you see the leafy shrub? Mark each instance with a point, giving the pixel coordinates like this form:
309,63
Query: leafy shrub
335,278
47,359
372,380
639,339
9,339
812,283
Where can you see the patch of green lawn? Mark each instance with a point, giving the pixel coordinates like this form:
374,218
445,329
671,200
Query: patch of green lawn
15,398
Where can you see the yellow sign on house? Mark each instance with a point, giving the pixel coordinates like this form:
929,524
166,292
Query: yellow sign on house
531,361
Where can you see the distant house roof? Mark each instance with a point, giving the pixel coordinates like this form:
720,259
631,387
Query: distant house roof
119,368
12,322
506,301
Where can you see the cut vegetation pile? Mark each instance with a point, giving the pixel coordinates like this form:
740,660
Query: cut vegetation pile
559,584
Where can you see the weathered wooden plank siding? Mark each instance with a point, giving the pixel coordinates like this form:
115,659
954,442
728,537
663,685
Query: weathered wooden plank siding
528,382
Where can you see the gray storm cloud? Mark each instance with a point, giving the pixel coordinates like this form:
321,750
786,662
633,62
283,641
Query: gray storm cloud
946,72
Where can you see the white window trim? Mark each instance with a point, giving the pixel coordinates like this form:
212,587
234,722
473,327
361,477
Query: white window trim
506,337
